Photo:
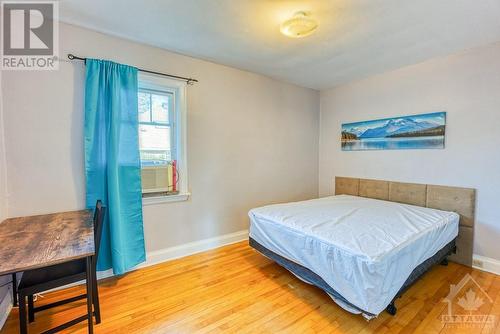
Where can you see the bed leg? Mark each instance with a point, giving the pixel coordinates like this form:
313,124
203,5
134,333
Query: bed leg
391,308
444,262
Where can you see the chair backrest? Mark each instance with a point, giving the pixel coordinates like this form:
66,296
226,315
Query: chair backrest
99,213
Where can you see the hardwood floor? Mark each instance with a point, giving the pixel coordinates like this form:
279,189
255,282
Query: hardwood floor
234,289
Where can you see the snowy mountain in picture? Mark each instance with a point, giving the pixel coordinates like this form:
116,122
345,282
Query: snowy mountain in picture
397,126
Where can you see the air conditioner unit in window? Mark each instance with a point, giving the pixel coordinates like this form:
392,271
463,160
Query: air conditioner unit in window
154,179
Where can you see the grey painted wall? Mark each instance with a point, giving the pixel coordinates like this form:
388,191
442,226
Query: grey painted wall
5,299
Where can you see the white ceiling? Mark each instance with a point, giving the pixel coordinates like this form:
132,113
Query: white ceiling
355,38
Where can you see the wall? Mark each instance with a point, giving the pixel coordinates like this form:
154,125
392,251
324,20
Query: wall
3,175
252,140
467,86
5,295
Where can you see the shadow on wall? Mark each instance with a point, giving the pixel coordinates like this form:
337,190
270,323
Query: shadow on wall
77,122
487,232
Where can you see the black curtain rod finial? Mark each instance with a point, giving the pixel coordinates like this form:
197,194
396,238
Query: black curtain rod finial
73,57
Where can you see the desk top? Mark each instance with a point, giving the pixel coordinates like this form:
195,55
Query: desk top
40,241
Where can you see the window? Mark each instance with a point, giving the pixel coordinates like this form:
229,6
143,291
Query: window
156,127
162,124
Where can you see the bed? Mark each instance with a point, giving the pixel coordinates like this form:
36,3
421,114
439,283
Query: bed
370,242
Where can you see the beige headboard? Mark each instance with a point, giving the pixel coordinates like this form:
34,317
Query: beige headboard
459,200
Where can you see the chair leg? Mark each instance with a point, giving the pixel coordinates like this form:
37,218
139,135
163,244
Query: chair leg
31,309
23,326
95,295
90,317
14,289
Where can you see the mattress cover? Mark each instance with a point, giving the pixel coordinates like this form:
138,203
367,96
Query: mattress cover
363,248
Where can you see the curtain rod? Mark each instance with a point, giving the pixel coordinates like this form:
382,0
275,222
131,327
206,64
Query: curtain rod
189,81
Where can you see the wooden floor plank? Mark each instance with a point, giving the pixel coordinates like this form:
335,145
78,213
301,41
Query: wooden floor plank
234,289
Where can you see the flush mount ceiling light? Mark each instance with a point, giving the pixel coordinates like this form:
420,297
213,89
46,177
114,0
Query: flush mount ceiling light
300,25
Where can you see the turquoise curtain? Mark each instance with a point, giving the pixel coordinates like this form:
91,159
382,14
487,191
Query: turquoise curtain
112,161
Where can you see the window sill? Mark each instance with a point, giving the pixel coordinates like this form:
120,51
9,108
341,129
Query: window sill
165,199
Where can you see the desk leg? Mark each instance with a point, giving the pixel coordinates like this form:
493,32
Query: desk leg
90,287
23,326
31,309
14,289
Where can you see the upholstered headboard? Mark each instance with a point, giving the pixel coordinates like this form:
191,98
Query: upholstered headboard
459,200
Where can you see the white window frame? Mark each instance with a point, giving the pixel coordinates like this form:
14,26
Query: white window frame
178,89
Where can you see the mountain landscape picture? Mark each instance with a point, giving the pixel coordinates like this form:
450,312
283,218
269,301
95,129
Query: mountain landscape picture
407,132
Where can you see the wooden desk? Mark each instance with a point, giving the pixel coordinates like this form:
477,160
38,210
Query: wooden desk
40,241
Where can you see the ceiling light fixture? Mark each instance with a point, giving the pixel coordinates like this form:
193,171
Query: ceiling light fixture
300,25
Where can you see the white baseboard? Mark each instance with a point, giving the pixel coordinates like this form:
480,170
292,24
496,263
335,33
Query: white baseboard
190,248
486,264
194,247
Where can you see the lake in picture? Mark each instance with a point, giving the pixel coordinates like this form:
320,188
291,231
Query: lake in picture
425,131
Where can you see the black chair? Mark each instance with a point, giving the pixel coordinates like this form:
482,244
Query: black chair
43,279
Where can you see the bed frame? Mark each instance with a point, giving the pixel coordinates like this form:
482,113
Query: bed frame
459,200
312,278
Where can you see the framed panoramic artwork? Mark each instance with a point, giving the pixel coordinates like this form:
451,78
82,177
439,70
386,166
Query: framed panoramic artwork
425,131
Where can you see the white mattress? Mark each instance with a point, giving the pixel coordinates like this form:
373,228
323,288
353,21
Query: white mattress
365,249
